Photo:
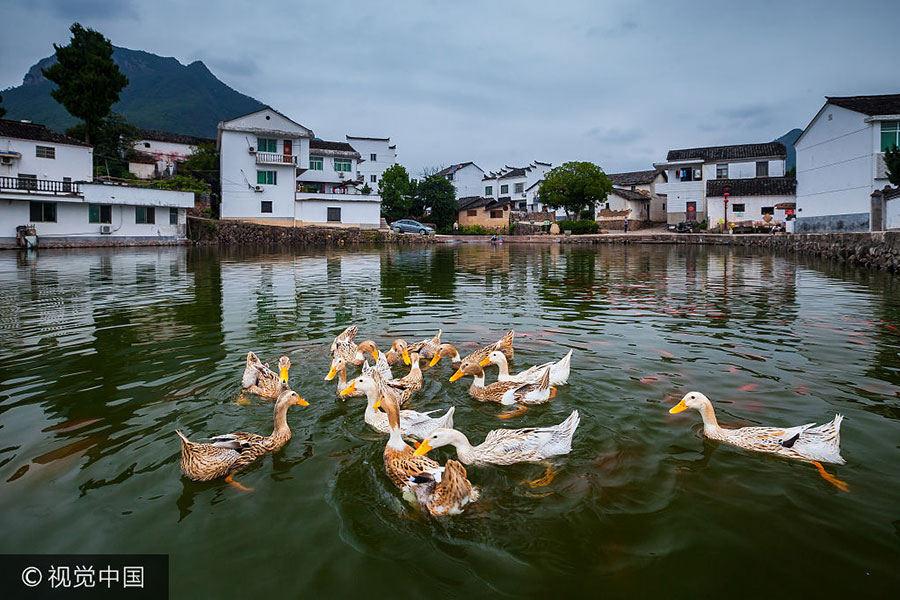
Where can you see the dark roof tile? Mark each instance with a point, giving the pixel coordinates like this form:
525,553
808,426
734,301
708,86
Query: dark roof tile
758,186
887,104
337,146
173,138
738,152
38,133
633,177
629,195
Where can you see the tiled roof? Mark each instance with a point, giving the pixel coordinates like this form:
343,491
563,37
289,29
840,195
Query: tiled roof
38,133
629,195
633,177
454,168
323,145
141,158
173,138
758,186
888,192
887,104
477,202
739,152
515,172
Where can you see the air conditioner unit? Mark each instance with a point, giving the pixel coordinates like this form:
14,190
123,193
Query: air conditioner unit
258,188
341,175
252,150
106,229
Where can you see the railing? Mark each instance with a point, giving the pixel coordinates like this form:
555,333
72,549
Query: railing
271,158
46,186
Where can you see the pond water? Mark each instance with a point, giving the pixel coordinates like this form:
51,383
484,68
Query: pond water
104,353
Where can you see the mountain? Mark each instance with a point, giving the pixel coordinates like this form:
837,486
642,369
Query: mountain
788,140
161,94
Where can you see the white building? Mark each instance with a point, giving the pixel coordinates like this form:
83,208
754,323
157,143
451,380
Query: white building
377,154
44,182
165,148
270,175
696,178
466,179
840,161
643,182
624,204
511,184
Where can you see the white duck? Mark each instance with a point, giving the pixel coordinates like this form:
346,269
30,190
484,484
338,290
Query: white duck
559,371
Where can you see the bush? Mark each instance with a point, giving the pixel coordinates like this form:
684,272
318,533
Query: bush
475,230
579,227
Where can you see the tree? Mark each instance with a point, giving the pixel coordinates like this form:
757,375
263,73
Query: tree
438,196
114,140
2,110
394,191
892,161
88,79
574,186
203,165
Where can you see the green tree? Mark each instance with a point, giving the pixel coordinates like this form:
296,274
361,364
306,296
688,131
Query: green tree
184,183
395,193
114,140
892,161
203,166
88,80
2,110
438,196
574,186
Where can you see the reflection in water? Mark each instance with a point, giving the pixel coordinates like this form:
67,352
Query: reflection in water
105,352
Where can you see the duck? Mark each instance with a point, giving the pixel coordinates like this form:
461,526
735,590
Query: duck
506,446
230,452
344,347
559,371
400,350
504,344
259,379
339,369
413,424
411,383
506,392
440,490
804,442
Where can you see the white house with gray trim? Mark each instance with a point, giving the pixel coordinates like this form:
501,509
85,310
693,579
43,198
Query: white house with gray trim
376,154
840,161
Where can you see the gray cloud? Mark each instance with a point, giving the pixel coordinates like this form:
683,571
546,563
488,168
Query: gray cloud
102,10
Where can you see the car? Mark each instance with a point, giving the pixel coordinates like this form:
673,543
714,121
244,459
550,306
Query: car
410,226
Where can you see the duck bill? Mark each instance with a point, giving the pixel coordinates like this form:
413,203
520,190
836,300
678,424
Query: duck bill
377,403
435,360
406,357
284,375
331,374
423,449
375,353
678,408
349,389
485,362
456,375
302,402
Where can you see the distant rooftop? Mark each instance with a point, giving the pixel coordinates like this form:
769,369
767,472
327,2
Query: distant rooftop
886,104
317,144
454,168
173,138
738,152
633,177
756,186
33,131
630,195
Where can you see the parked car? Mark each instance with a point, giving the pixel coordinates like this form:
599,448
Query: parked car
410,226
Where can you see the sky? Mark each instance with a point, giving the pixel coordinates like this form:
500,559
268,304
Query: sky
617,83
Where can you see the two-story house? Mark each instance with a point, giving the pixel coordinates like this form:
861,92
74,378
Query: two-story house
516,185
699,178
840,161
650,205
376,156
46,182
274,172
466,179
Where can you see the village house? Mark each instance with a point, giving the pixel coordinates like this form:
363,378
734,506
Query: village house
46,182
516,185
643,182
275,172
696,179
490,213
163,150
840,162
466,179
376,156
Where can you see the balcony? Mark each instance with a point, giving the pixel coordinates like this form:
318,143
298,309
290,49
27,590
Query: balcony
271,158
38,186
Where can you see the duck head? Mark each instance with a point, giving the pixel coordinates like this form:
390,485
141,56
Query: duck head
366,346
444,350
402,348
338,364
694,400
468,368
493,358
363,383
440,437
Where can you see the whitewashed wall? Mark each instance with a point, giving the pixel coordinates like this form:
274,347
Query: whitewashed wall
365,213
467,182
384,158
753,206
71,161
328,174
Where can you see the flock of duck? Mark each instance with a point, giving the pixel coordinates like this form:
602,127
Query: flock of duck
443,490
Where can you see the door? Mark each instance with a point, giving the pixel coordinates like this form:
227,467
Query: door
288,151
690,211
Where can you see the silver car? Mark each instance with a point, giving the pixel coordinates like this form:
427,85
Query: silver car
410,226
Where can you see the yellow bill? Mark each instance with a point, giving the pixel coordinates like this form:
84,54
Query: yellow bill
377,404
678,408
302,402
406,357
434,360
456,375
284,375
349,389
423,448
331,374
485,362
375,353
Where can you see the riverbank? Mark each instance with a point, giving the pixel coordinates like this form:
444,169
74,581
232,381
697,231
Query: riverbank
209,232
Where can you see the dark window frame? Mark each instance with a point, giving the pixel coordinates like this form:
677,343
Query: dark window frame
44,211
264,204
173,216
330,214
96,214
145,215
762,168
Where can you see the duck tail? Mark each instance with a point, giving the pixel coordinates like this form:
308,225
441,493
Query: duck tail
544,382
436,340
447,419
505,344
184,439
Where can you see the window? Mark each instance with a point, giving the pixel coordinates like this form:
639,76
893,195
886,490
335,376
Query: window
146,144
312,188
265,206
342,164
890,135
144,215
722,171
266,145
45,151
496,214
43,212
488,190
768,210
449,176
173,216
689,174
99,213
373,157
762,168
26,182
373,178
267,177
472,212
737,208
334,214
316,163
504,189
519,188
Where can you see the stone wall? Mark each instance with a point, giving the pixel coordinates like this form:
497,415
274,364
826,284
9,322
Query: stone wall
209,232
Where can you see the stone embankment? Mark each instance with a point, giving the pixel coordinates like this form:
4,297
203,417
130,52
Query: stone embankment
209,232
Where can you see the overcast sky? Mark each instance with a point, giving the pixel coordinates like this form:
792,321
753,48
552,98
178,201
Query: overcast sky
613,82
